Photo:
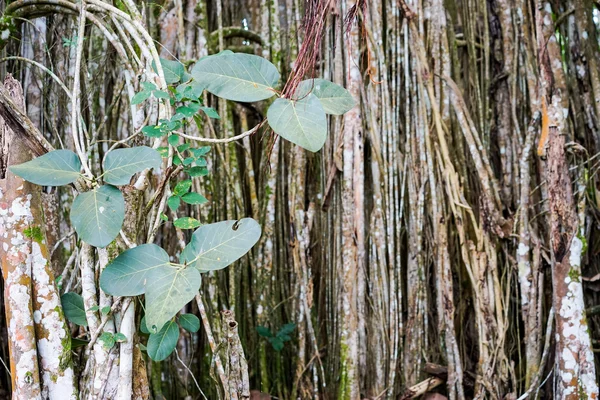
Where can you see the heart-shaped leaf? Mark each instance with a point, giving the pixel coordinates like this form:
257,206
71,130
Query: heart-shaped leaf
98,215
127,274
237,76
168,289
215,246
189,322
302,122
73,308
121,164
162,344
335,99
56,168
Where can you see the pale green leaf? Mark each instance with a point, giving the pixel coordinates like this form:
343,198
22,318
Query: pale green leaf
73,308
173,70
335,99
127,274
162,344
58,167
237,76
189,322
121,164
186,223
302,122
194,198
215,246
167,291
98,215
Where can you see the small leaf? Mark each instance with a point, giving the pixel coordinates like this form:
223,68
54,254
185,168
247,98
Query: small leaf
56,168
277,343
163,151
173,140
183,147
98,215
164,217
287,329
161,94
168,290
73,308
188,160
153,131
127,274
200,151
215,246
121,164
264,331
335,99
302,122
210,112
237,76
196,172
149,86
120,338
107,339
105,310
194,198
76,343
182,187
173,70
189,110
140,97
186,223
162,344
173,202
189,322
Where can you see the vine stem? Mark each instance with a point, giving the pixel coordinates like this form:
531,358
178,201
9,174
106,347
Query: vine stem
223,140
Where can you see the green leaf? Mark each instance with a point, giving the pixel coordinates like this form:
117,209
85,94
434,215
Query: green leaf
56,168
127,274
120,338
200,151
164,217
277,343
189,110
173,202
162,344
188,160
161,94
121,164
107,339
215,246
98,215
182,187
143,327
153,131
174,70
302,122
73,308
76,343
105,310
149,86
264,331
163,151
210,112
168,290
183,147
335,99
237,76
173,140
186,223
198,171
140,97
189,322
194,198
287,329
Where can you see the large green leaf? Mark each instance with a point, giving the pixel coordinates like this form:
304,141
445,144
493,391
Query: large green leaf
237,76
127,274
73,308
121,164
58,167
302,122
162,344
97,215
168,289
215,246
189,322
335,99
